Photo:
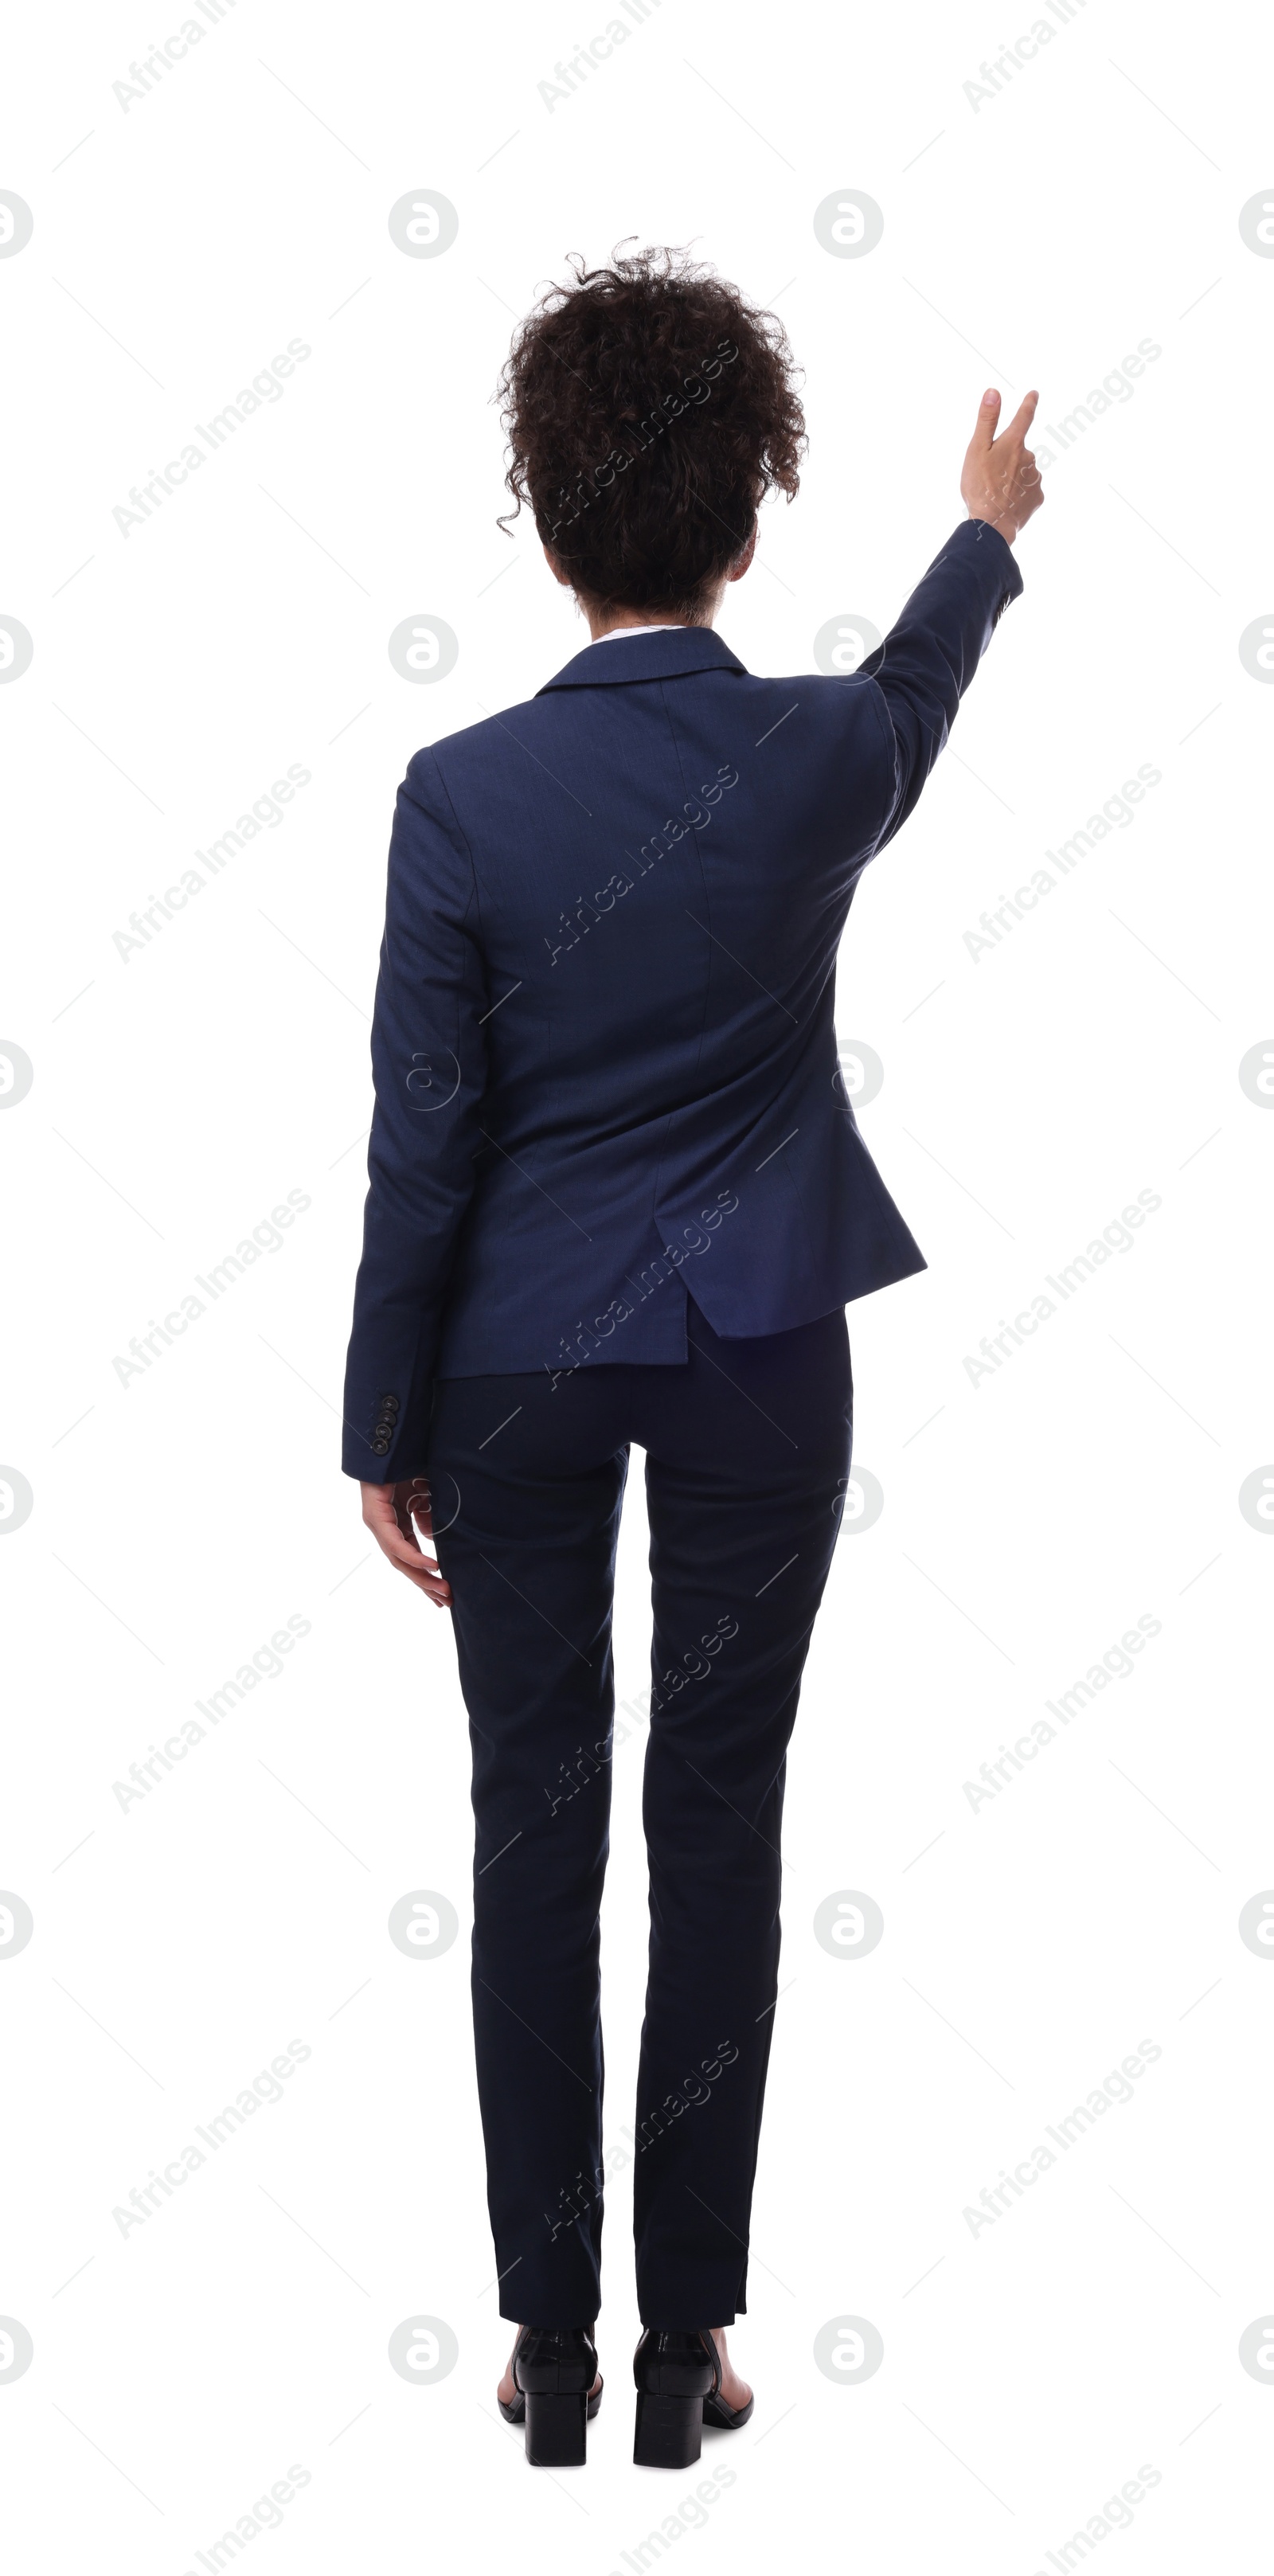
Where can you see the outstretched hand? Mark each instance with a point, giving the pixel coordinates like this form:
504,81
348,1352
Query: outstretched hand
1001,481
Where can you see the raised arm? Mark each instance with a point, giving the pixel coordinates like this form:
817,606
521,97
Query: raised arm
928,658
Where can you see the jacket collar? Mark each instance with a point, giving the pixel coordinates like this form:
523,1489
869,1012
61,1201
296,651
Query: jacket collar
665,656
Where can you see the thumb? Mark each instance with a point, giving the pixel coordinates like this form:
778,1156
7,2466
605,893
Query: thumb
988,415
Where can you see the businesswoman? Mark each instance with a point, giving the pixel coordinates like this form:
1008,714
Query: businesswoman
618,1194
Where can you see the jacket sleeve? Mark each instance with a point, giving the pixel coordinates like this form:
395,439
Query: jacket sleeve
429,1073
921,671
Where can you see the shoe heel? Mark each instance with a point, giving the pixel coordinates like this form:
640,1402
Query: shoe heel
669,2431
556,2430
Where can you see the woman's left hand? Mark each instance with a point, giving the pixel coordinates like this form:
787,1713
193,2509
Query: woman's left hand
389,1512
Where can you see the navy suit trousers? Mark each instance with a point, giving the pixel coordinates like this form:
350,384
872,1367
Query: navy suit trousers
747,1453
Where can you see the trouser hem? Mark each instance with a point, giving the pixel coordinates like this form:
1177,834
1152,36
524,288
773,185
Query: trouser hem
696,2297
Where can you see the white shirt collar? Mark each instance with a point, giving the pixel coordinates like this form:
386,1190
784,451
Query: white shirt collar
671,626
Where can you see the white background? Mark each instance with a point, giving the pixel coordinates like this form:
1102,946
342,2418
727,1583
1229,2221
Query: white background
179,1519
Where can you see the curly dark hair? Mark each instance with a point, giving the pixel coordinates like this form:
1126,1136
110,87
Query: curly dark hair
649,409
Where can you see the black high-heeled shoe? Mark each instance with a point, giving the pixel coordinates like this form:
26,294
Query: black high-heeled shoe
554,2368
678,2376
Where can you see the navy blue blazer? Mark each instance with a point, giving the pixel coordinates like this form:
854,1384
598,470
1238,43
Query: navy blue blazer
604,1047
